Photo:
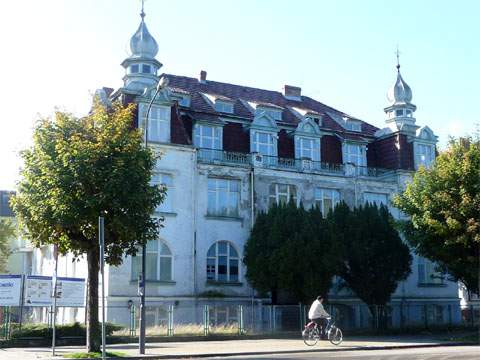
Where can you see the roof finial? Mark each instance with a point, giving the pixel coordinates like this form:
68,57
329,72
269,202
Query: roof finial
142,14
398,58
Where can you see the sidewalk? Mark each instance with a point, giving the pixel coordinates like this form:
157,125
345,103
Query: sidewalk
199,349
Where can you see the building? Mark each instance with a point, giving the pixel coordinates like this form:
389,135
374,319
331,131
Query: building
228,151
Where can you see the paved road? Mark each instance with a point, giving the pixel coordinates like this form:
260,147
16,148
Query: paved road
436,353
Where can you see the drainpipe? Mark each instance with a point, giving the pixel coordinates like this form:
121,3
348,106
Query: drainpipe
194,223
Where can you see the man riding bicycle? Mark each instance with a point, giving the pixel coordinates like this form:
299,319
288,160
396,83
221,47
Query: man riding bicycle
317,313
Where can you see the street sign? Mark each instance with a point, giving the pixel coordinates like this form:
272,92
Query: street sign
10,290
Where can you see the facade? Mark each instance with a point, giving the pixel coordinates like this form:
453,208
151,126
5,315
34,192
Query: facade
228,152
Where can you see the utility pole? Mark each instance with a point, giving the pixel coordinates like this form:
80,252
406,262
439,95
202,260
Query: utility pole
142,278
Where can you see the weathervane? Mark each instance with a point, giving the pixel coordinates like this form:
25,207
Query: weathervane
398,58
142,14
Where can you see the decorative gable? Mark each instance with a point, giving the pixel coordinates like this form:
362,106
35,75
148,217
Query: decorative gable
426,134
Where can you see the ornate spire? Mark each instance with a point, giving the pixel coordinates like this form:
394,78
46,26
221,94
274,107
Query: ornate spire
400,93
142,44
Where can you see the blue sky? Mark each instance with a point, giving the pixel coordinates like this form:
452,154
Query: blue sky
56,53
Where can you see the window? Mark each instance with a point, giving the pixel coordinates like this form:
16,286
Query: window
207,137
223,106
399,112
146,69
134,69
159,262
355,154
223,315
159,123
167,181
326,199
281,194
223,197
5,209
409,113
307,148
222,262
274,114
184,101
263,143
434,314
425,155
427,273
375,198
353,125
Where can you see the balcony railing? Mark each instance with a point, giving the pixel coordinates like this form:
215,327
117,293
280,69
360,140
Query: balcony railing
212,156
221,157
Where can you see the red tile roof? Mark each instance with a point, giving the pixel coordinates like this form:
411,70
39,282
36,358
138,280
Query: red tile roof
239,94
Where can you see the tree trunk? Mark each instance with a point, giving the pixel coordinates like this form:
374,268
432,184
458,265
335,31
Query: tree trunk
93,327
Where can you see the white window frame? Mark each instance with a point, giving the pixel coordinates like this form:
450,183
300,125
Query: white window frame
224,106
353,126
273,113
215,255
375,198
358,157
214,190
158,122
291,191
165,180
269,144
323,194
425,155
427,274
208,140
307,152
161,251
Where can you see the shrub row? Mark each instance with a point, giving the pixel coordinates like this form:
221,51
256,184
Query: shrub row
44,331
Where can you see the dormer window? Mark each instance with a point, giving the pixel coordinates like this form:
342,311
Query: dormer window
184,101
274,114
224,106
353,125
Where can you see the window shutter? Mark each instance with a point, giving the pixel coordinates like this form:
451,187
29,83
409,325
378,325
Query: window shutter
316,150
297,147
196,135
218,138
252,141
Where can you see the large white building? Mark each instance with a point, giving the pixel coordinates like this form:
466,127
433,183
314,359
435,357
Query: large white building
228,151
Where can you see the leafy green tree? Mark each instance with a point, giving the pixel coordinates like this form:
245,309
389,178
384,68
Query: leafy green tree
444,208
77,170
375,258
289,250
7,231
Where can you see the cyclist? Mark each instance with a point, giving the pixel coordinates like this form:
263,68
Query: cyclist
317,313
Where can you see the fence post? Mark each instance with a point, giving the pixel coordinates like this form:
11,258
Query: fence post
274,315
240,320
472,316
449,315
300,313
425,311
132,320
170,321
206,320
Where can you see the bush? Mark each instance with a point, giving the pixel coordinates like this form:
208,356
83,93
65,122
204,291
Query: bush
43,331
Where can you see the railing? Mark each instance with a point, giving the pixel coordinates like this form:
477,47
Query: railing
212,156
221,157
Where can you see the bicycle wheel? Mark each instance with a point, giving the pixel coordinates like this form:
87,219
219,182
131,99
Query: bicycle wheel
310,336
335,335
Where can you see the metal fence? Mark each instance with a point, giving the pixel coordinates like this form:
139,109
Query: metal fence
228,319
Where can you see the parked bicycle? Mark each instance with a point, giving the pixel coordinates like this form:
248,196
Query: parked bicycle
312,333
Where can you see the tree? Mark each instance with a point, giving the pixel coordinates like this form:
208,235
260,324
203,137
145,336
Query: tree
7,231
77,170
444,208
375,258
289,250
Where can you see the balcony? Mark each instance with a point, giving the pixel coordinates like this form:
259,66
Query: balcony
221,157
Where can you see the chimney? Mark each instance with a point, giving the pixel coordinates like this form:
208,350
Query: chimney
292,92
203,77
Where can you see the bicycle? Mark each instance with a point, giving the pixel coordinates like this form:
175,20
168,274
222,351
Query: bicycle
312,333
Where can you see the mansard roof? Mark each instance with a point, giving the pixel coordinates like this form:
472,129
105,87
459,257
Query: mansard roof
241,96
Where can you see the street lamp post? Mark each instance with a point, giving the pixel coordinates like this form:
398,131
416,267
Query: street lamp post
142,279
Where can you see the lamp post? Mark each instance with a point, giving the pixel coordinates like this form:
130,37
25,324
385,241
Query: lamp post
142,279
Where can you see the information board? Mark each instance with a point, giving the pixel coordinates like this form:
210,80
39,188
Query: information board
38,290
10,290
70,291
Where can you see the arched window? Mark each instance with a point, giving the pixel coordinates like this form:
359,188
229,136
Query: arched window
222,262
159,262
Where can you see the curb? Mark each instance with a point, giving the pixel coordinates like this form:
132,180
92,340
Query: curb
253,353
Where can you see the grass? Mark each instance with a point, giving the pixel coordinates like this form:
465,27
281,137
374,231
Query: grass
186,329
473,337
94,355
